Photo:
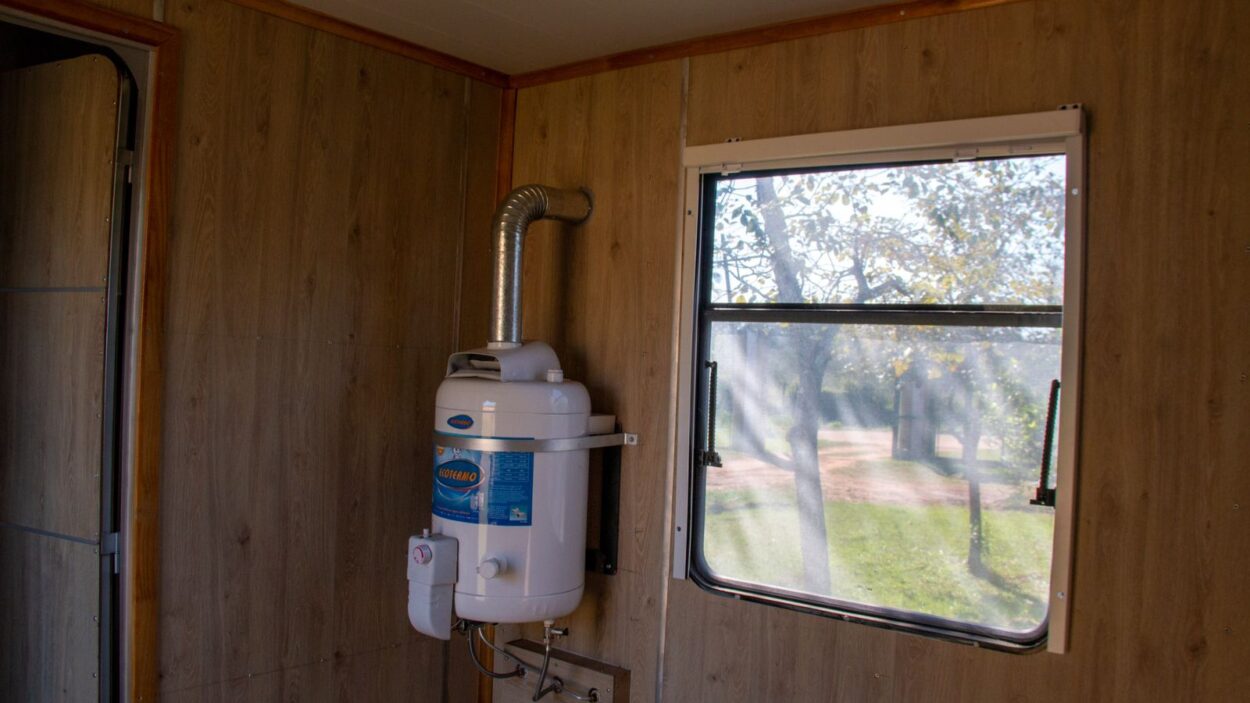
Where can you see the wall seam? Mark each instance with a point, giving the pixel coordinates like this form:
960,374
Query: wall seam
464,218
666,568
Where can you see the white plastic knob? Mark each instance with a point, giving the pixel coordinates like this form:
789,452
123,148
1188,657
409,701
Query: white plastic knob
422,554
490,568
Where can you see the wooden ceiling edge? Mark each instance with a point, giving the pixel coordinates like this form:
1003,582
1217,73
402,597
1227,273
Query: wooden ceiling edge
758,36
710,44
342,28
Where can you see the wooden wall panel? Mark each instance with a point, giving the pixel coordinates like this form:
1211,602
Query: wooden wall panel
51,399
1162,540
320,197
396,672
601,294
480,202
40,219
50,636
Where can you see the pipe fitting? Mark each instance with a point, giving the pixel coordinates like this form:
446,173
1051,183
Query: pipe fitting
523,206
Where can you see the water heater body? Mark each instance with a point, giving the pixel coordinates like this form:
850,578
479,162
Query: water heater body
519,517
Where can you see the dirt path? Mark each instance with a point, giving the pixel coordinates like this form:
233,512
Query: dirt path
856,466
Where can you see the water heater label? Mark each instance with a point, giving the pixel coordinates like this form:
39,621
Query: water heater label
460,422
465,480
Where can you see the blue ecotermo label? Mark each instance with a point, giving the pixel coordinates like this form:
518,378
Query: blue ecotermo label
460,422
493,488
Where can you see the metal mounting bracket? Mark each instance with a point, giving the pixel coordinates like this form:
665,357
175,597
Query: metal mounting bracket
568,444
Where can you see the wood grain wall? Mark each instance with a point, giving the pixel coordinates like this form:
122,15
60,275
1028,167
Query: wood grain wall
321,189
1163,541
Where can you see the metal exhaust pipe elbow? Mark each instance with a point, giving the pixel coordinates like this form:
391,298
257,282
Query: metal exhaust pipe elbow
523,206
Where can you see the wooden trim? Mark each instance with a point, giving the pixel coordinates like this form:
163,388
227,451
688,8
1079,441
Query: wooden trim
385,42
140,581
742,39
144,542
128,28
507,138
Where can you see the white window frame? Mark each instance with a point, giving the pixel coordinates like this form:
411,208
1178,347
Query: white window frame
1060,131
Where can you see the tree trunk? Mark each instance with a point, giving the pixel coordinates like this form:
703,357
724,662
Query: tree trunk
812,357
971,442
810,350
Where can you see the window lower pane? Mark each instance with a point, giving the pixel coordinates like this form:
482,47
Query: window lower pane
884,467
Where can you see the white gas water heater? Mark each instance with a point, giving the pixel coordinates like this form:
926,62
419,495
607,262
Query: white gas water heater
511,444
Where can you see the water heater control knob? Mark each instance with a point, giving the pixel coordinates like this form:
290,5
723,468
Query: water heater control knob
422,554
490,568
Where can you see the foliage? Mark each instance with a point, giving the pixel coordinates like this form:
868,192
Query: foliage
910,558
967,233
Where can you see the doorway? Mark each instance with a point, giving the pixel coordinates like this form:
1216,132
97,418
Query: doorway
67,140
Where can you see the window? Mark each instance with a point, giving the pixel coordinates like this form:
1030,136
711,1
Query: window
875,340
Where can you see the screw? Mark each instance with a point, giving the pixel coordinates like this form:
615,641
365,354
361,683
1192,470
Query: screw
1076,191
1236,506
1061,595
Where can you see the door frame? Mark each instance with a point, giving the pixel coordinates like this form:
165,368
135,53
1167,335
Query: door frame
143,376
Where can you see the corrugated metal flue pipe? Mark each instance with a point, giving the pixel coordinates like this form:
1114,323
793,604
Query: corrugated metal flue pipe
523,206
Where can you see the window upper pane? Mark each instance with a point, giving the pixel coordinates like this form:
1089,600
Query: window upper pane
988,232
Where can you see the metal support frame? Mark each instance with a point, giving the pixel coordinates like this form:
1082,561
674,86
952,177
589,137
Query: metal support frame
603,559
538,446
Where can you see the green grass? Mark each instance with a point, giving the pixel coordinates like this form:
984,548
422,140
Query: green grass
903,557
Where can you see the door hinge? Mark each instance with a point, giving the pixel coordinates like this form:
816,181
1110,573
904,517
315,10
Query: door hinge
126,160
110,546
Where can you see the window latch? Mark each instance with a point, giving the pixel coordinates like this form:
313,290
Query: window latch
1045,495
709,456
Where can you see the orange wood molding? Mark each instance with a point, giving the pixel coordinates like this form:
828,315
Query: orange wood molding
145,489
97,19
142,530
347,30
786,31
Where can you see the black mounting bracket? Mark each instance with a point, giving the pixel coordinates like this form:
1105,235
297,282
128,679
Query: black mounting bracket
602,559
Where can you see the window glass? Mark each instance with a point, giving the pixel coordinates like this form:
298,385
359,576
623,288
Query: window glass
972,232
922,444
884,340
